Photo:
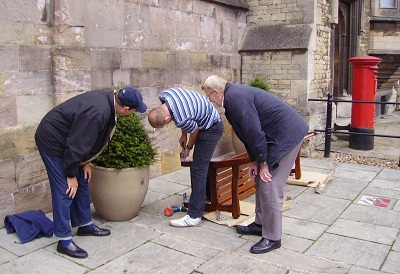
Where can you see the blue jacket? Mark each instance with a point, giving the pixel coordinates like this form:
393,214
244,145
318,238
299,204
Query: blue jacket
269,127
29,225
78,128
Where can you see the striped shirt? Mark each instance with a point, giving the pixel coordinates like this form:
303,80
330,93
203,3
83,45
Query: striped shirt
189,109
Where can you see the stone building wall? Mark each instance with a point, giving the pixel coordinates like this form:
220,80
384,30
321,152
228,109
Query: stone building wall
51,50
295,73
25,97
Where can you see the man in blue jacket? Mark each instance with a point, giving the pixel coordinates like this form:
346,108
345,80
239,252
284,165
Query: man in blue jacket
69,137
272,132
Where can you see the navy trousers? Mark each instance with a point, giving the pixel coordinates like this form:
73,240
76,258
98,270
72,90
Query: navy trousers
206,142
65,209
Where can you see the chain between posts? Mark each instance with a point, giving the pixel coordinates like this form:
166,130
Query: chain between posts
328,126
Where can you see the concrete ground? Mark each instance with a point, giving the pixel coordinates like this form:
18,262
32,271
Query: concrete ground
351,227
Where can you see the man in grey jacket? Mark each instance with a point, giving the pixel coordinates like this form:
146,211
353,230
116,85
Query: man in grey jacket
272,132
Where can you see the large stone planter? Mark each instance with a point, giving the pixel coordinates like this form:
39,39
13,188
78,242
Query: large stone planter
238,145
117,195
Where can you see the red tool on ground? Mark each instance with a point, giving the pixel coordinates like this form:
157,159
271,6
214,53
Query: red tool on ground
169,210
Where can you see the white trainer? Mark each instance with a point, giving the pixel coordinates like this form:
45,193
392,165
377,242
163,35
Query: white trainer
185,221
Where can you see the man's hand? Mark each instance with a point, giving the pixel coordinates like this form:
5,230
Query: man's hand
183,139
185,152
87,172
264,173
72,187
253,170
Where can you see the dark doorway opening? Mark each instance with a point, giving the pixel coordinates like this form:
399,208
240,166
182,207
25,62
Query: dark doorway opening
346,40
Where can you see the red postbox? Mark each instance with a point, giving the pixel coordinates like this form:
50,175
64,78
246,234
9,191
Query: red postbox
364,89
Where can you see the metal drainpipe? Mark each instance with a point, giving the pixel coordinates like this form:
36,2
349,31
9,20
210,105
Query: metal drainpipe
241,70
328,126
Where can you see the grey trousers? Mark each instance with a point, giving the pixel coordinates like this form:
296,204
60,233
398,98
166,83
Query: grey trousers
269,197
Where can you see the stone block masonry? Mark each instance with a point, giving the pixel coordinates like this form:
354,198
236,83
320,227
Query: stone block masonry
53,50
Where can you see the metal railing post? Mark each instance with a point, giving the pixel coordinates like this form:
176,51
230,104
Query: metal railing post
328,126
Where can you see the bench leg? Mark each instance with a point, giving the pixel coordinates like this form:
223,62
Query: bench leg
297,167
235,193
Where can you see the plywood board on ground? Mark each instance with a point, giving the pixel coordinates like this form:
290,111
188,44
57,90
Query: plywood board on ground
247,209
311,179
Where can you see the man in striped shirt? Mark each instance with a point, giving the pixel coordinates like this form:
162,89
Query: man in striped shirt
195,115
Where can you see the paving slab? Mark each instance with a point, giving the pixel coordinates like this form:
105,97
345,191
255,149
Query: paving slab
236,263
397,206
180,176
288,242
294,190
124,237
361,270
152,197
363,231
372,215
317,208
349,250
146,219
389,174
11,243
42,261
296,261
382,192
180,244
157,208
6,256
343,171
202,235
376,169
302,228
166,187
295,243
344,188
396,246
316,169
152,258
386,184
392,263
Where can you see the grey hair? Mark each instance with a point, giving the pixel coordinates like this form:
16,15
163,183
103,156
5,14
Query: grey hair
214,82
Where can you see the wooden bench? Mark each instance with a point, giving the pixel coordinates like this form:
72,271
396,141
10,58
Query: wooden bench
229,181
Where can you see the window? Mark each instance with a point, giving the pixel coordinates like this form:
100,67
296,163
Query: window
388,4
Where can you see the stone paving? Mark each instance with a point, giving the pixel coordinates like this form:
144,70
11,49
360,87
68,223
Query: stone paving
336,231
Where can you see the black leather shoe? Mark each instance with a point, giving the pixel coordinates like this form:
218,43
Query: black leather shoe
95,231
251,229
264,246
72,250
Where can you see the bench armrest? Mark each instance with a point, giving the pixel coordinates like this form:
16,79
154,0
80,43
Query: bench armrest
235,160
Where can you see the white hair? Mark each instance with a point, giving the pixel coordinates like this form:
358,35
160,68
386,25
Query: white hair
214,82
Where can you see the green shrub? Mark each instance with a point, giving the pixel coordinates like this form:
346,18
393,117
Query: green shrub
130,145
259,83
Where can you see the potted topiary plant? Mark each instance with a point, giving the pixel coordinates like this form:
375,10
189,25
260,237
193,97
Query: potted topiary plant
238,146
259,83
120,175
